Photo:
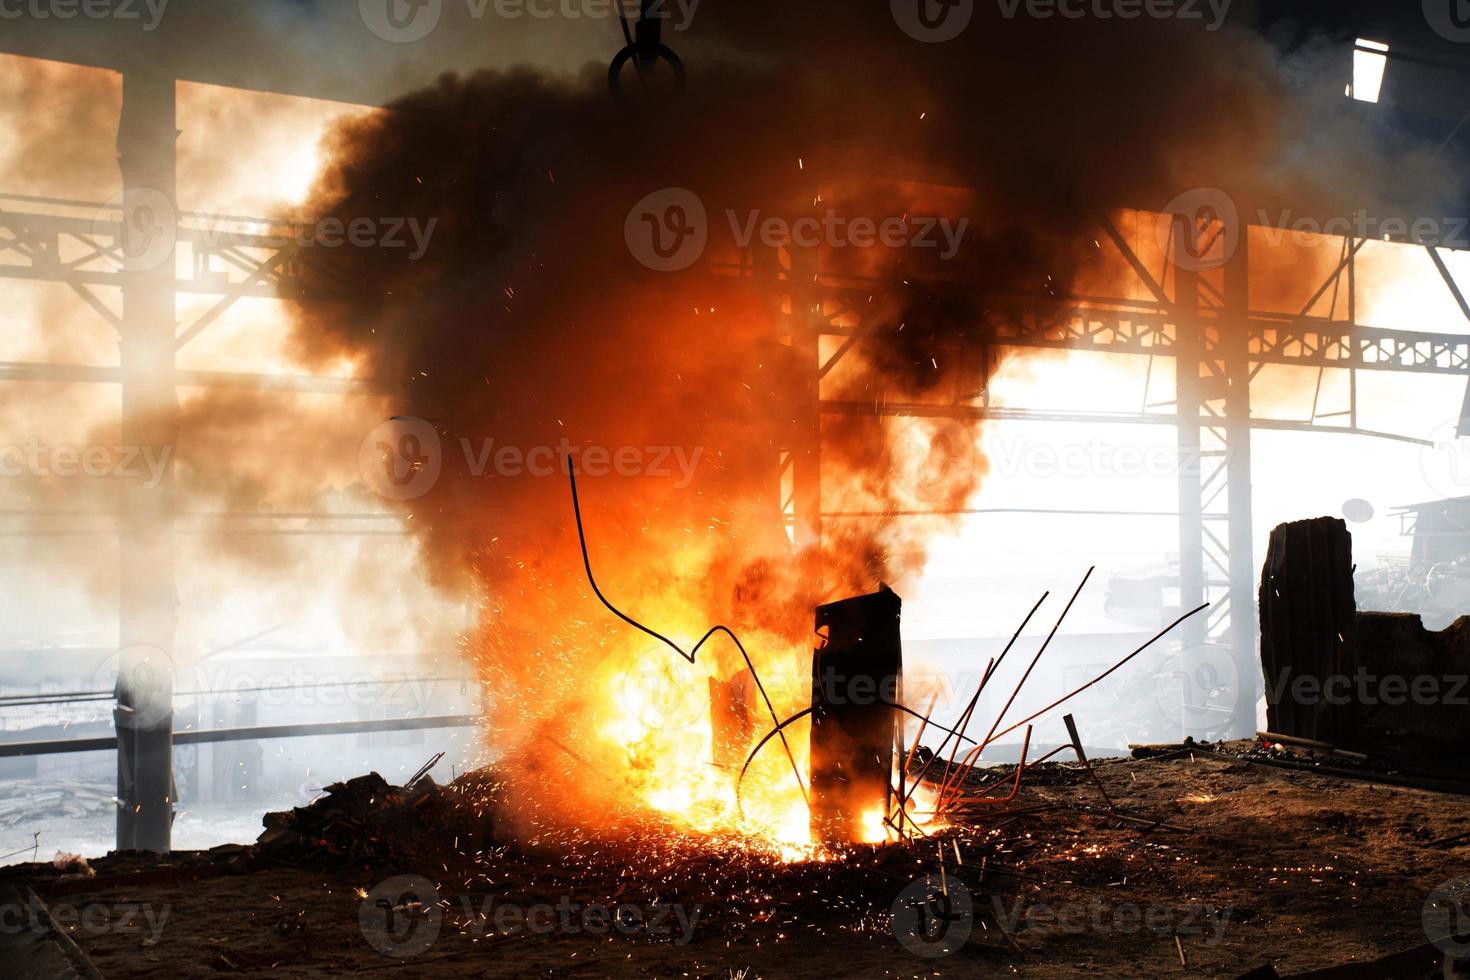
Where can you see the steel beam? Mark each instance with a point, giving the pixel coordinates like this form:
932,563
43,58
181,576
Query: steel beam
1188,356
148,600
807,325
304,383
106,743
1233,354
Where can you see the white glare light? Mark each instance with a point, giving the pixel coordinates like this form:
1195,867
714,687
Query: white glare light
1368,65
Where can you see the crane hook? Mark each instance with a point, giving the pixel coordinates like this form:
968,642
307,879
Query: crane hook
645,48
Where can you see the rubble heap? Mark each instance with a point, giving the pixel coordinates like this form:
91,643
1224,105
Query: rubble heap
365,821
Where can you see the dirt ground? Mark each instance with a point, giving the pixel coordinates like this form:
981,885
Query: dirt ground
1257,865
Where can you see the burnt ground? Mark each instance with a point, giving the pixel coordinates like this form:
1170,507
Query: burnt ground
1256,866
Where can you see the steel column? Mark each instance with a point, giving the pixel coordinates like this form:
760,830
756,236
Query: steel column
1188,346
148,600
1234,353
807,326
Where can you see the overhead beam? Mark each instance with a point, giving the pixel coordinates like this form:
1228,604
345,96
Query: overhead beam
304,383
980,413
107,743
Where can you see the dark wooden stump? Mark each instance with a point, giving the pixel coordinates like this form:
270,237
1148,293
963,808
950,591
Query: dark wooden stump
1309,630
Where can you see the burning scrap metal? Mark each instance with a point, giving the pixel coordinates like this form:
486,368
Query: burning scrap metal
856,716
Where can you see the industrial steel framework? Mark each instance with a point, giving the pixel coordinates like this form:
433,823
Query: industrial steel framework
1218,344
1216,341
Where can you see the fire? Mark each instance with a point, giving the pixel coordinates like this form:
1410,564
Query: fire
655,720
655,716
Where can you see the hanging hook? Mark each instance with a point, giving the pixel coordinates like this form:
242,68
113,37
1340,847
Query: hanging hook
645,48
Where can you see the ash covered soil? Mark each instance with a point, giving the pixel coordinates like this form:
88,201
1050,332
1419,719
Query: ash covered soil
1253,865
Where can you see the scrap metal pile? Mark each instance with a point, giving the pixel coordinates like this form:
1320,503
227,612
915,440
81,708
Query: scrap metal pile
861,762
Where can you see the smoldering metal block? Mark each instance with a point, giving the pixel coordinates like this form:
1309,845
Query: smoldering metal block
857,673
732,719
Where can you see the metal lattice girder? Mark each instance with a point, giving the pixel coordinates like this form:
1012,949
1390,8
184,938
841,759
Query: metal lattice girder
304,383
1085,329
226,258
1306,341
1296,340
982,413
1365,348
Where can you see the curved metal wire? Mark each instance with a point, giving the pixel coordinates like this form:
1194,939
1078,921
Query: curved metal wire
780,730
592,581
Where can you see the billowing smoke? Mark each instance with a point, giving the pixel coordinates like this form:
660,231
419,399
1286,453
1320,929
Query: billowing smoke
532,325
529,330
